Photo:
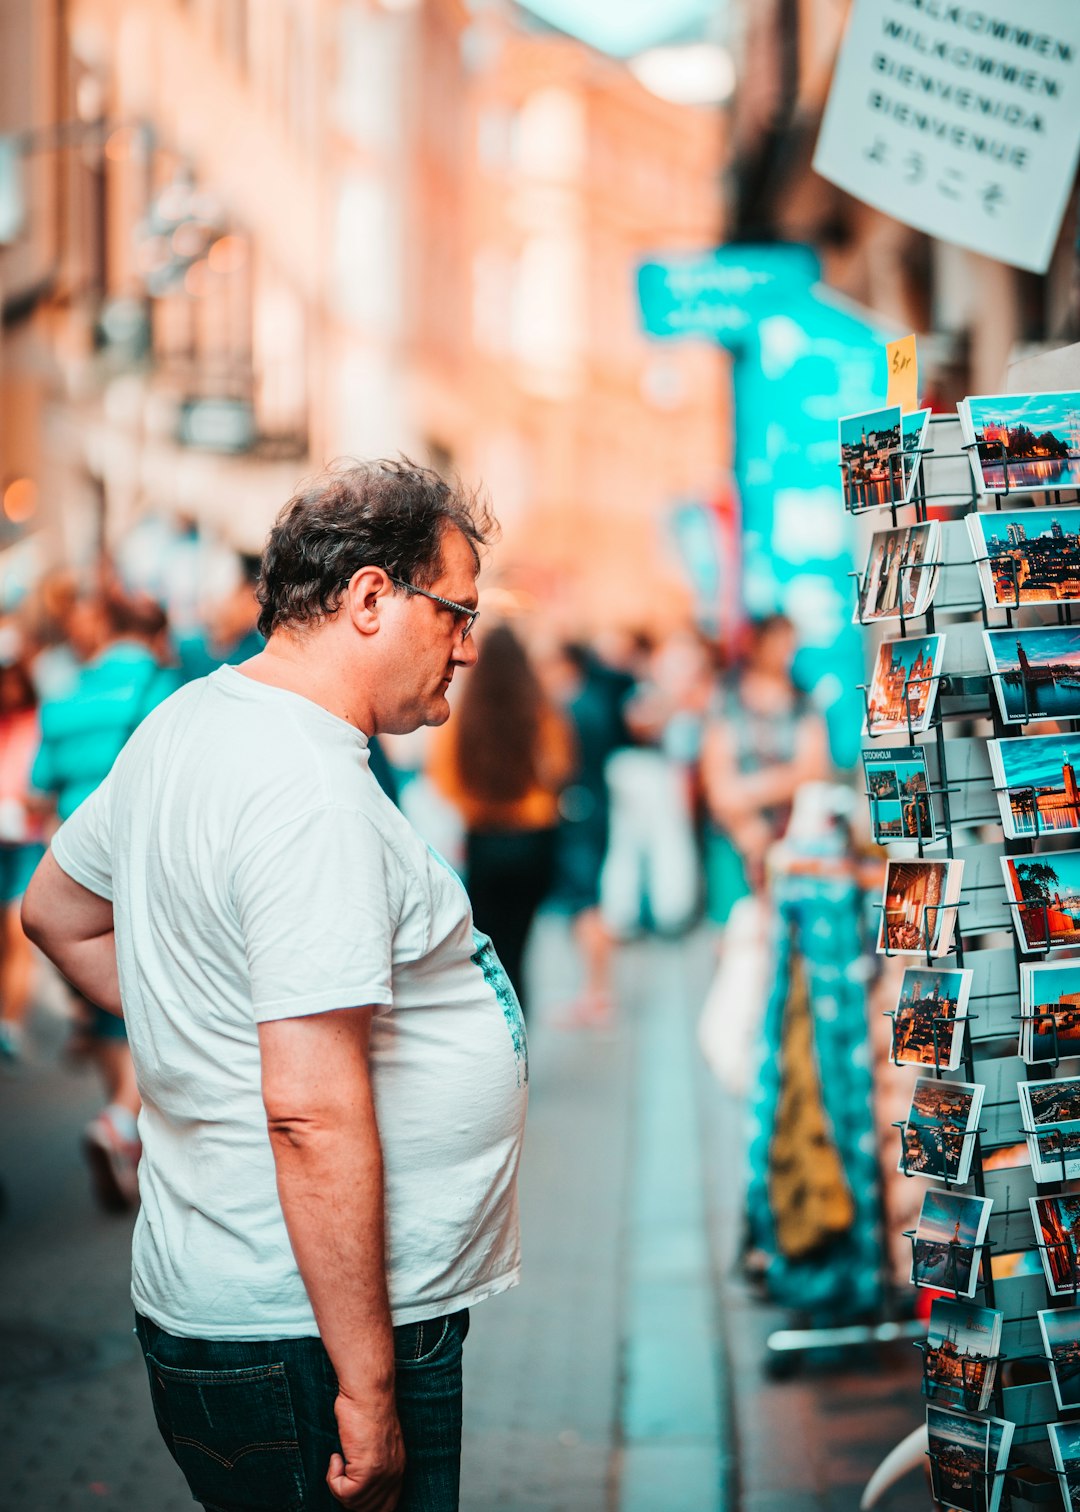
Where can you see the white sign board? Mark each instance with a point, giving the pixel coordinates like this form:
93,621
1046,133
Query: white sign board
960,117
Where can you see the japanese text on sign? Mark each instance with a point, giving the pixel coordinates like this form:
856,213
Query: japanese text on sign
961,120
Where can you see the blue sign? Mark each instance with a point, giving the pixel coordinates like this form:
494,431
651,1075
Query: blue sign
802,358
716,293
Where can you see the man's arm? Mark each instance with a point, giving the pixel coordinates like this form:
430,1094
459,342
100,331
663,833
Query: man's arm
320,1113
74,927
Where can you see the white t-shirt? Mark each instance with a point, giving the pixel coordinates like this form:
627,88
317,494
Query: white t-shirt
257,871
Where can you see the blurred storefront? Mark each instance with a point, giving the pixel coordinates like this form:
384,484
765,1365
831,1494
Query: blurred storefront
256,237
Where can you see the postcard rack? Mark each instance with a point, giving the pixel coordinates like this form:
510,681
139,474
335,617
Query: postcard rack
961,820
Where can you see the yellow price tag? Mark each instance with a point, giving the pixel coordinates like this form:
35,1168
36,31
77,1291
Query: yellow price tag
903,374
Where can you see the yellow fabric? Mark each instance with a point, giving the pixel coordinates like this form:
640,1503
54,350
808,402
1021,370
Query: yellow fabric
808,1192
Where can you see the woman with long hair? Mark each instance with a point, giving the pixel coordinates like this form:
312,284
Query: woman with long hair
502,761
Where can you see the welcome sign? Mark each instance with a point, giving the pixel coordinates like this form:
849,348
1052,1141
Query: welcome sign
961,119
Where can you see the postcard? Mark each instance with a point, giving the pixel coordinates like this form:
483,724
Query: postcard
1027,556
1044,897
897,785
948,1238
928,1024
1046,1104
918,915
1065,1443
1057,1231
1036,673
1050,1009
872,459
903,689
960,1358
959,1456
1061,1340
1036,784
913,426
938,1138
900,573
997,1456
1051,1114
1023,443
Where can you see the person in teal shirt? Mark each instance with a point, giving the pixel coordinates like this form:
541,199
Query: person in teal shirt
83,730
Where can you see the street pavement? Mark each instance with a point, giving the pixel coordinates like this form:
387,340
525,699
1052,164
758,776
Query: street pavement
624,1375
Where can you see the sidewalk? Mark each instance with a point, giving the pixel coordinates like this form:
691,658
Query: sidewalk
624,1375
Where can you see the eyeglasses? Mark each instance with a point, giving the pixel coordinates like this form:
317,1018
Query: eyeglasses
466,618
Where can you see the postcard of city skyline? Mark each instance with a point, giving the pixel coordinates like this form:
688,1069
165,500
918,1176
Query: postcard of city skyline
1036,673
1037,524
1039,433
1027,556
1036,784
872,466
936,1140
959,1449
961,1342
1050,1102
929,1014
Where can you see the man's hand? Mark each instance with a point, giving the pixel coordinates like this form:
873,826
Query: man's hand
368,1477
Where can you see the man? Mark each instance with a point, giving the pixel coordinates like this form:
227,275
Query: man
332,1064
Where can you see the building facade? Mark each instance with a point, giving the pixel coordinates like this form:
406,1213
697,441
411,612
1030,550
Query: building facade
268,235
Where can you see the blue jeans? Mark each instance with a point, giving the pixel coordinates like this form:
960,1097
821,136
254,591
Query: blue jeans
251,1424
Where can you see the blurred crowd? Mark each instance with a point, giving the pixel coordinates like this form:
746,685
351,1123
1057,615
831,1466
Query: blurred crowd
633,781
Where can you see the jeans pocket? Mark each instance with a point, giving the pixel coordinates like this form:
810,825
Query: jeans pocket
233,1434
420,1343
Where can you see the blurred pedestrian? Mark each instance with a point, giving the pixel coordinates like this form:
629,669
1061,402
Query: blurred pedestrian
230,635
652,872
502,763
83,729
21,836
592,694
333,1063
763,740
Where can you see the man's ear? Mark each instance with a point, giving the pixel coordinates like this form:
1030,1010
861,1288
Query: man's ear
368,588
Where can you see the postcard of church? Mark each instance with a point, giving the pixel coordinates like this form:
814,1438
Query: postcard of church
1035,782
903,689
1036,673
1023,443
938,1139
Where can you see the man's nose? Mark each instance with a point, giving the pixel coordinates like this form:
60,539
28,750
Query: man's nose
466,652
